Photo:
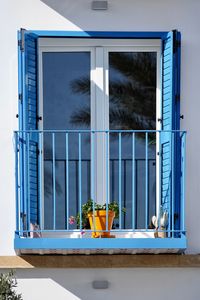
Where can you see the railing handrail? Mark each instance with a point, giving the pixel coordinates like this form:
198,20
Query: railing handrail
87,159
96,131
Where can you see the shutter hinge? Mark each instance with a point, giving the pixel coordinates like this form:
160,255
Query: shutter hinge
39,152
20,96
21,41
23,216
159,120
39,118
177,97
176,45
176,42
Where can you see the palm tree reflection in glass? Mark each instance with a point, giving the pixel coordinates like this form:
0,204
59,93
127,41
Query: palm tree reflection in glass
132,106
132,92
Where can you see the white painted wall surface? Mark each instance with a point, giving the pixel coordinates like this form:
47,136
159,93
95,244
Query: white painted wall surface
130,15
127,15
130,284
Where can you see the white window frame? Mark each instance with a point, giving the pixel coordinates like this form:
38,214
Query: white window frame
99,74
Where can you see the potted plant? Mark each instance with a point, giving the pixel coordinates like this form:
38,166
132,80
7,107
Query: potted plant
94,216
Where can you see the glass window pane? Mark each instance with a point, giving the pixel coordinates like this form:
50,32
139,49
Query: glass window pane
66,106
132,106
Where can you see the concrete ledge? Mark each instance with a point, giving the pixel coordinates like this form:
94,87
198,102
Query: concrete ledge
100,261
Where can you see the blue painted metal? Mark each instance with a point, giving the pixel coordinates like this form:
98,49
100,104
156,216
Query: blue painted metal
172,202
24,154
108,243
167,123
177,155
40,176
67,178
27,59
17,180
120,180
93,175
100,34
28,181
54,181
24,230
107,177
80,178
183,171
92,166
133,181
146,182
27,121
19,135
96,131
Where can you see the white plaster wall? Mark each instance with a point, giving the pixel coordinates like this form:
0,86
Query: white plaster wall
141,284
130,15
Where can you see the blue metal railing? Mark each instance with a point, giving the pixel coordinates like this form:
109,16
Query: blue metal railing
126,155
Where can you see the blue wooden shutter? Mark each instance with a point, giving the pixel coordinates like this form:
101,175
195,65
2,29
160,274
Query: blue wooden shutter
27,45
170,121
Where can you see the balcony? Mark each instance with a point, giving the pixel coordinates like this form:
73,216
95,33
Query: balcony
58,171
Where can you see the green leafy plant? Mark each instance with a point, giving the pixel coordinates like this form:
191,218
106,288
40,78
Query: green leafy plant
8,283
88,207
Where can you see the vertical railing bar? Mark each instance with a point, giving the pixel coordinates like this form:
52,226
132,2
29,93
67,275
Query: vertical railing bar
172,183
77,188
107,177
120,183
125,174
183,157
111,179
80,178
146,181
92,165
170,216
67,178
28,181
40,139
88,179
93,179
136,191
17,180
54,182
133,180
21,180
25,182
160,177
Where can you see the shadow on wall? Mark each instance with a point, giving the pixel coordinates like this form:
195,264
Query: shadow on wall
76,284
61,284
130,13
79,12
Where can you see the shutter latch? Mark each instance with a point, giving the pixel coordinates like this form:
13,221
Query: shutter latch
21,41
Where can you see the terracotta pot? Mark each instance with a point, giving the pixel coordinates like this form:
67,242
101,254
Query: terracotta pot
100,223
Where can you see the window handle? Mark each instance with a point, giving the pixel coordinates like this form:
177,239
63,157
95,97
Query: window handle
39,118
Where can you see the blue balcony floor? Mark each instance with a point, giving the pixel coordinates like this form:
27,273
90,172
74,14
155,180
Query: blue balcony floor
60,245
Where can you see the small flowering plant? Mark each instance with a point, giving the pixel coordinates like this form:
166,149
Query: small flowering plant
88,207
72,220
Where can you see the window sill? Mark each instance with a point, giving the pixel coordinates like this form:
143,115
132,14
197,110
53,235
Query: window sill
100,261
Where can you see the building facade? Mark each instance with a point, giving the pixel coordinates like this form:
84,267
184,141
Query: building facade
47,174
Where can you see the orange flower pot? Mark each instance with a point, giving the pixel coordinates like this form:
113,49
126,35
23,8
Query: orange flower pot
100,223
